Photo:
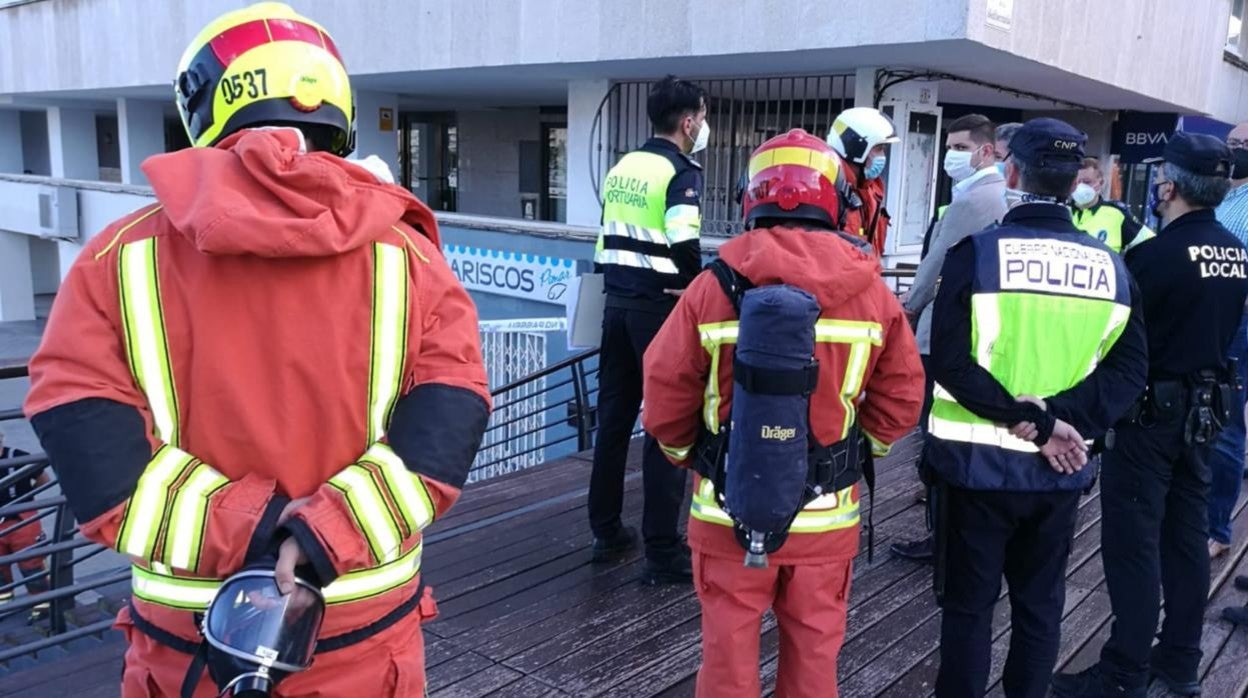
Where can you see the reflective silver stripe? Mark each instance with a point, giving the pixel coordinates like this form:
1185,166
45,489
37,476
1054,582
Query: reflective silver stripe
196,593
141,522
370,510
633,232
146,344
824,513
628,258
406,488
979,433
187,519
682,222
389,335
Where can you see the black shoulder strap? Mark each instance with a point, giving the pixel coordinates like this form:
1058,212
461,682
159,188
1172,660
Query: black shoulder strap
732,282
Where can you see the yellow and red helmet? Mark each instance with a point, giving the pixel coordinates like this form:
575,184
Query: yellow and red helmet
795,176
264,65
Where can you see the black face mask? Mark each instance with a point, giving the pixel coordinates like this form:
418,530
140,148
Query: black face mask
1240,168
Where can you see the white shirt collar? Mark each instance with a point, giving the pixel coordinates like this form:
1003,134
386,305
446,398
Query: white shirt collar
967,183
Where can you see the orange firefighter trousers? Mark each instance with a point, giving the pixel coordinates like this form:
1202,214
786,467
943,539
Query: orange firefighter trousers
809,602
390,664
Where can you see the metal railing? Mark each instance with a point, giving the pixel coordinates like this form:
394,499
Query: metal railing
569,389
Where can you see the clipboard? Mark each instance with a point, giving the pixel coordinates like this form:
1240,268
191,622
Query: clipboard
585,308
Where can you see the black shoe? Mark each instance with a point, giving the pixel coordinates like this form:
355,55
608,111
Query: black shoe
1091,683
668,568
1237,615
1158,671
920,550
1182,688
1241,582
614,547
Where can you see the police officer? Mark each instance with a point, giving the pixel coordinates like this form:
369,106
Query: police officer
1156,479
1022,312
1110,222
649,251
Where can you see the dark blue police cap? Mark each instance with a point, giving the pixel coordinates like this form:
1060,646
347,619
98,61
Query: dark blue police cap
1049,143
1197,153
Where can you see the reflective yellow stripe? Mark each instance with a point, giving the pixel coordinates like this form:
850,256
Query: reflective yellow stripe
389,340
879,449
859,334
146,343
191,593
141,521
406,488
825,163
189,517
986,313
829,512
376,580
676,452
370,510
178,592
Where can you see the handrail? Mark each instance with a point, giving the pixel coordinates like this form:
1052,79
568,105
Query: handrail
65,539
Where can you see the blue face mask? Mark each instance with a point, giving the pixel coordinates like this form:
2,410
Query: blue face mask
1001,168
876,168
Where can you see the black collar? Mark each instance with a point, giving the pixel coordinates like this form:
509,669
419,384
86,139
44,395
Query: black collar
663,144
1054,217
1202,216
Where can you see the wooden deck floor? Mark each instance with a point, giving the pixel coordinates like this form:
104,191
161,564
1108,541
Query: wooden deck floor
525,613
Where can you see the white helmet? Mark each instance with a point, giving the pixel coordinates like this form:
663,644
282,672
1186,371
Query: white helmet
856,131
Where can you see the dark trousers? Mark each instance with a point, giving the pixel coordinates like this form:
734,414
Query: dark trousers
1154,524
625,336
1226,460
1027,537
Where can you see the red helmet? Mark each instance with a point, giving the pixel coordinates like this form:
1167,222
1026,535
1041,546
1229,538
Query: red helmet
795,176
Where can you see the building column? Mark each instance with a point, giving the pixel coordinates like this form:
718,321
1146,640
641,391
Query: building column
74,154
17,295
141,134
864,87
11,142
71,143
377,127
584,98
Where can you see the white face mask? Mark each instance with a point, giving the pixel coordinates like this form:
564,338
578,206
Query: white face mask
1083,195
702,139
958,164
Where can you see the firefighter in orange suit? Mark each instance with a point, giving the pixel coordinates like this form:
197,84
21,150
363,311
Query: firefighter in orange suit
862,135
275,356
869,375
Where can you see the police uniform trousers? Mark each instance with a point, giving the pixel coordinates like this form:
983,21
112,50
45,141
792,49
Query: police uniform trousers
625,335
1154,526
1025,536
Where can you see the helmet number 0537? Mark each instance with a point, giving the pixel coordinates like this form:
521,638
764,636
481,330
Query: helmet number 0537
255,83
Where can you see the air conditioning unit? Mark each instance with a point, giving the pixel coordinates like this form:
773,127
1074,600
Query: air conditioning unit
58,214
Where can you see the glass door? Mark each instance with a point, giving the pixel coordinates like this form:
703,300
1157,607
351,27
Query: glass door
430,153
555,172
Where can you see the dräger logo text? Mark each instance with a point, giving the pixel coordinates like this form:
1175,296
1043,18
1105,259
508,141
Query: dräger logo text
779,433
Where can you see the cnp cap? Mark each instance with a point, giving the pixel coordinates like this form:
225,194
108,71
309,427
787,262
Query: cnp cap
1048,143
1197,153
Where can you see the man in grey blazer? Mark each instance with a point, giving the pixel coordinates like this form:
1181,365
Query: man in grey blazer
978,202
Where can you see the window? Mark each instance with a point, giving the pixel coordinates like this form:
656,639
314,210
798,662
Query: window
1234,27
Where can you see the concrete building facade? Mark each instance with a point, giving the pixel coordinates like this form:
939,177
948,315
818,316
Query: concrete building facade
516,108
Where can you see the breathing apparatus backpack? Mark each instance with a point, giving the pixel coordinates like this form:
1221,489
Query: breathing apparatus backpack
766,465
